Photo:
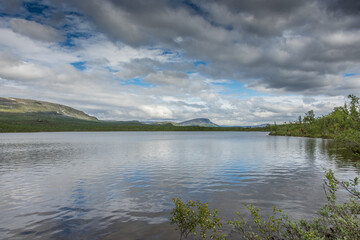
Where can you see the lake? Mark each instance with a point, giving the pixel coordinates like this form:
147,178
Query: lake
119,185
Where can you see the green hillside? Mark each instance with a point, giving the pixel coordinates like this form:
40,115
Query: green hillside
18,105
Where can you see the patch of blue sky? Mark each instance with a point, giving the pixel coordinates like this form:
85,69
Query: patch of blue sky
35,7
228,27
197,9
350,74
138,81
199,62
74,13
111,70
194,7
81,66
167,52
171,55
70,37
3,14
164,51
72,30
68,42
233,87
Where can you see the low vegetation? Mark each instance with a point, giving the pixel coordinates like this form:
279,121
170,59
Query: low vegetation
26,115
55,122
342,124
194,216
334,220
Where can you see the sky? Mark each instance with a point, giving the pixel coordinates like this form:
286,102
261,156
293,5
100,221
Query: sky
235,62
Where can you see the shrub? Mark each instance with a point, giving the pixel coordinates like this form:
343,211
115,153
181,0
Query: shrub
194,215
333,221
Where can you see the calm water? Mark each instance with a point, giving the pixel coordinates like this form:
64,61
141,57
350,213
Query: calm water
119,185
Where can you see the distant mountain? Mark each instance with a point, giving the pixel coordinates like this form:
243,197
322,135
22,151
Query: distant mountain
160,123
166,123
202,122
251,126
259,126
19,105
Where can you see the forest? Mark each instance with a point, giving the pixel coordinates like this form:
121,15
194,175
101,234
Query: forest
342,125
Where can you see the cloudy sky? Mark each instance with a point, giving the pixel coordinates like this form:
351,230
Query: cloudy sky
236,62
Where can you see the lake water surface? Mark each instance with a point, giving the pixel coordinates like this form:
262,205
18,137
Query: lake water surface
119,185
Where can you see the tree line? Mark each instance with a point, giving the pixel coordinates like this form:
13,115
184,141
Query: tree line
342,125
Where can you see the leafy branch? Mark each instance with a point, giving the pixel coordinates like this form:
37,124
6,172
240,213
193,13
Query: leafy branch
333,221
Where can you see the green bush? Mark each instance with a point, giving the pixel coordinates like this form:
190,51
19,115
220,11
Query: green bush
350,138
333,221
342,124
194,217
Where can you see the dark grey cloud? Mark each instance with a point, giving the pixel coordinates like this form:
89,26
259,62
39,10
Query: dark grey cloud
342,6
262,6
10,7
35,30
290,46
182,47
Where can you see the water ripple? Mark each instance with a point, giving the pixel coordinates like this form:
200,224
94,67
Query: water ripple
120,184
